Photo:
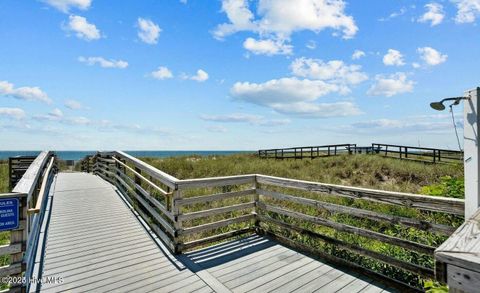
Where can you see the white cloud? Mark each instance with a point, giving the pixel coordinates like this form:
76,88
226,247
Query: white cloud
245,118
55,115
162,73
434,14
319,110
468,10
415,65
293,96
311,45
232,118
82,28
12,113
278,19
148,31
77,121
267,47
392,85
393,58
410,124
395,14
358,54
431,56
74,105
23,93
201,76
334,72
110,63
66,5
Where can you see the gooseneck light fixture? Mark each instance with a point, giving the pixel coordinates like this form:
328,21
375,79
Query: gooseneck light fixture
439,106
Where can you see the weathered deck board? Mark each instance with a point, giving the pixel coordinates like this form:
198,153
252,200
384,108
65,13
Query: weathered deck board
258,264
96,244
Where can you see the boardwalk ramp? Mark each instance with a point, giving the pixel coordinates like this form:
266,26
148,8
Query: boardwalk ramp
96,243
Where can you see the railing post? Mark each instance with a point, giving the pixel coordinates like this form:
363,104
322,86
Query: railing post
406,152
20,237
256,198
177,224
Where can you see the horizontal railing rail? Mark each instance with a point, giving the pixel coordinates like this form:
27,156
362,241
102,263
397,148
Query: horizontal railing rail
356,225
306,152
31,192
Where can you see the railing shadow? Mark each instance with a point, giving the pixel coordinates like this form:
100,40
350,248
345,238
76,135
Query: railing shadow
223,253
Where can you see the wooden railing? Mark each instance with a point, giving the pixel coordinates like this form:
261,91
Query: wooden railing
433,155
418,153
17,166
306,152
359,228
31,192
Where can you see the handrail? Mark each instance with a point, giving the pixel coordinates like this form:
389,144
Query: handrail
41,193
142,177
163,177
28,182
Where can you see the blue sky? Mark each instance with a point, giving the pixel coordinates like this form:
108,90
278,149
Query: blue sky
232,74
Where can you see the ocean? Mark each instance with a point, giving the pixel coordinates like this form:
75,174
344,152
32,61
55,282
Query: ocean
78,155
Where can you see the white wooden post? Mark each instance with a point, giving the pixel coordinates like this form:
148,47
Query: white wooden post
471,151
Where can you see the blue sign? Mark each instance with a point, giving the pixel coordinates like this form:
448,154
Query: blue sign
9,208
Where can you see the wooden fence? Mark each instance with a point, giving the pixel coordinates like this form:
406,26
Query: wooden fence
433,155
417,153
197,212
31,192
306,152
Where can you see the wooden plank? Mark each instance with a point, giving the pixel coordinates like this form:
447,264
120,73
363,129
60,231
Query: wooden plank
341,263
215,225
416,269
216,181
13,269
461,248
422,248
10,249
137,174
216,211
28,182
462,279
372,215
424,202
214,238
43,187
214,197
161,176
280,270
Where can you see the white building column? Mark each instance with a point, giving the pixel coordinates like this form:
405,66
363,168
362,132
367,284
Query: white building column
471,151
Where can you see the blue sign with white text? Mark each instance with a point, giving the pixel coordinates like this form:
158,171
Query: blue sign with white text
9,213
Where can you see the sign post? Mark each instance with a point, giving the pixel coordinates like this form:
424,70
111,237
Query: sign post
471,147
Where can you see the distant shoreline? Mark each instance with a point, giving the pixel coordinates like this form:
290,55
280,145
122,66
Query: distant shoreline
78,155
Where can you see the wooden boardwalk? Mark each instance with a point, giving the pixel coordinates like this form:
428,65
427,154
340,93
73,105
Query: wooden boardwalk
96,243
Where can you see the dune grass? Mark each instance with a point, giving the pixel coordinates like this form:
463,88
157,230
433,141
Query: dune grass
358,170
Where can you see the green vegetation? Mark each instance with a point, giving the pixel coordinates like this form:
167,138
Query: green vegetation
361,170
